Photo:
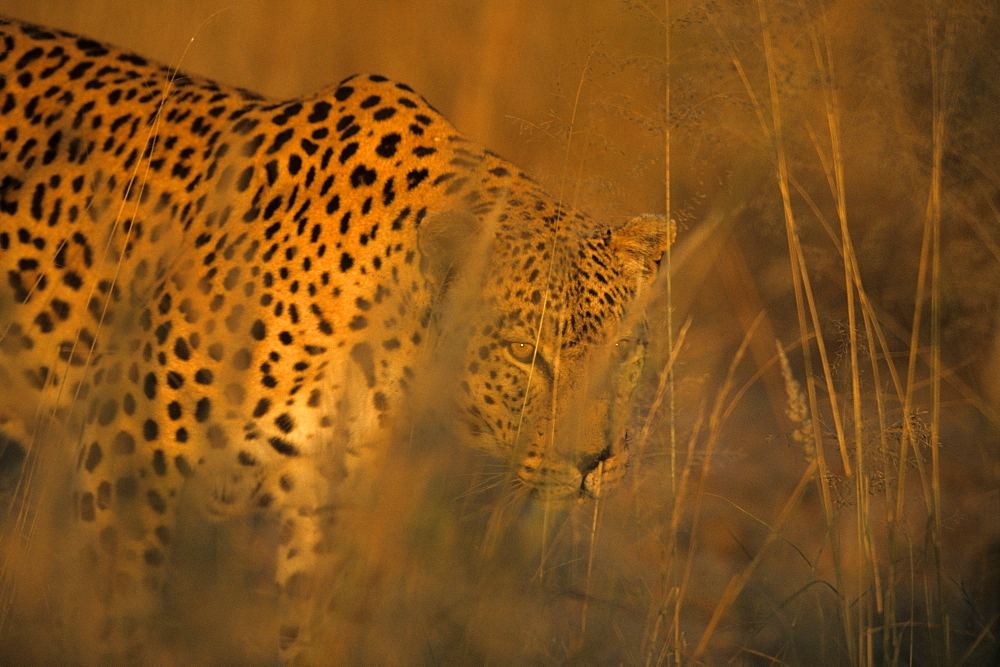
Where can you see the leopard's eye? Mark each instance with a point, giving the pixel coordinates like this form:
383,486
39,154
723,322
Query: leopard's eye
622,348
523,352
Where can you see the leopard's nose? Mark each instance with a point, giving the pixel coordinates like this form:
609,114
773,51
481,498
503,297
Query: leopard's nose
590,463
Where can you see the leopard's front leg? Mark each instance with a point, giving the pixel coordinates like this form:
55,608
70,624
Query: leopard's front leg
125,506
306,511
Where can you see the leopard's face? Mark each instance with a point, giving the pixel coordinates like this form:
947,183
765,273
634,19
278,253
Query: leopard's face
552,349
556,413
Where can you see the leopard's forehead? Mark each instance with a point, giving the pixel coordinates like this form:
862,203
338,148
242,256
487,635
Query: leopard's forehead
562,275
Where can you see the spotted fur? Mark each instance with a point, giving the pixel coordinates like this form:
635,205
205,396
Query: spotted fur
214,291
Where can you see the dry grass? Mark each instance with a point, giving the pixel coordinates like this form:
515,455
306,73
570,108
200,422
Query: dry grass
819,468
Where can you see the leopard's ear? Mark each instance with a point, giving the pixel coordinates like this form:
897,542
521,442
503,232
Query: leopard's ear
641,242
448,241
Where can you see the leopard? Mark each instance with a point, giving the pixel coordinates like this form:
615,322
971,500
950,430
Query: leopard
204,291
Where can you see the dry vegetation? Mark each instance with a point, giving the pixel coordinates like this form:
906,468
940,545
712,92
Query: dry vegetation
817,477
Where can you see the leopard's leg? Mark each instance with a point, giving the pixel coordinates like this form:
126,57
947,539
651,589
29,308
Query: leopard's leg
126,507
303,555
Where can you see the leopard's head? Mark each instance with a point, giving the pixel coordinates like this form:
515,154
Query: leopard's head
547,337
